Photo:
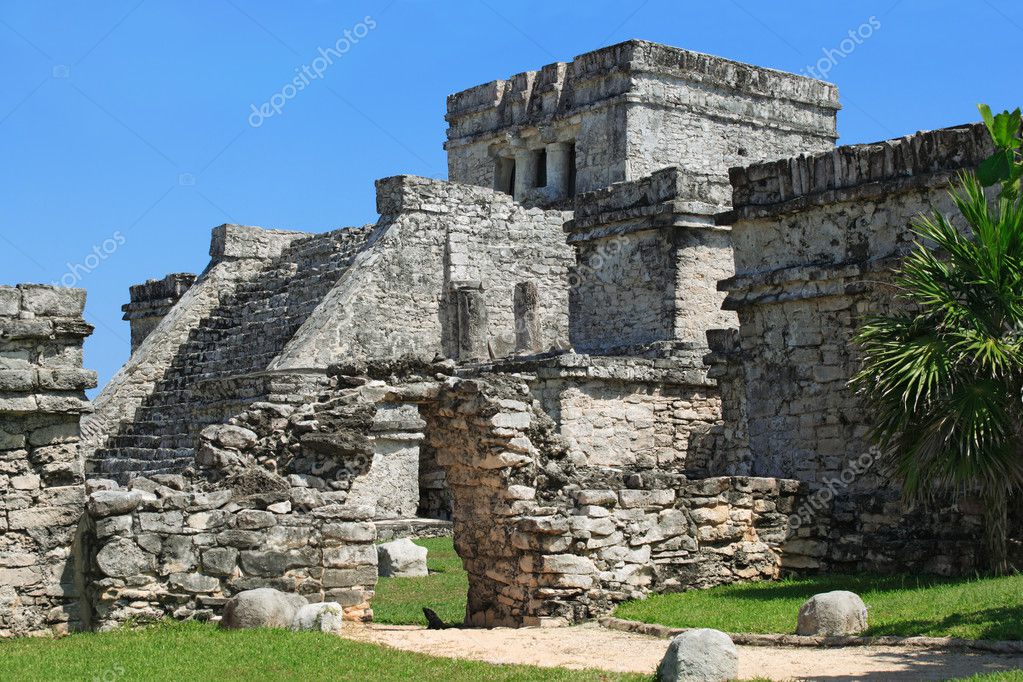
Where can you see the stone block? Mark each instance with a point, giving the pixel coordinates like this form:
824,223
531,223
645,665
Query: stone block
220,561
275,563
194,583
113,525
253,519
402,559
114,502
43,517
122,558
10,301
350,532
349,556
17,380
646,499
52,301
599,498
349,577
26,482
558,563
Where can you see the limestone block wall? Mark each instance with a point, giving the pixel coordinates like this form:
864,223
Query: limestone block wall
648,259
42,491
640,413
630,109
706,114
815,238
399,298
156,552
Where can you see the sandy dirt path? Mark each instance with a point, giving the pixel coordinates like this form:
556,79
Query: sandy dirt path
591,646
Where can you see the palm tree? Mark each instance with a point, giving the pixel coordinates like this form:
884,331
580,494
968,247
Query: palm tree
944,381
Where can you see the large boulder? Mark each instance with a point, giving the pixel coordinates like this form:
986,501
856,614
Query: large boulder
262,608
832,614
321,617
701,655
401,559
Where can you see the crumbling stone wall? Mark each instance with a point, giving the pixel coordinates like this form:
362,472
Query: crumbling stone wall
628,110
157,551
282,496
42,398
150,303
815,238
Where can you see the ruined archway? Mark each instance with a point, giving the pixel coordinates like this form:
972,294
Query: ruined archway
547,537
493,446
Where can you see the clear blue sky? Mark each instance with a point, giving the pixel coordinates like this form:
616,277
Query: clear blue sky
129,121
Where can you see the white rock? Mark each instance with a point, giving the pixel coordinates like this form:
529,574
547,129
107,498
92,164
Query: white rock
320,617
262,608
836,613
401,559
701,655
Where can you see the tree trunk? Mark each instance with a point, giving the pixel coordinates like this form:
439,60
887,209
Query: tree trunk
996,529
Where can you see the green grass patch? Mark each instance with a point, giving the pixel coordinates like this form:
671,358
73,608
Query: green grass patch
400,601
1010,676
979,608
196,651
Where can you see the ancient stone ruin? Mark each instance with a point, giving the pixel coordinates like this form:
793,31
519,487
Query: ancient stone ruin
610,356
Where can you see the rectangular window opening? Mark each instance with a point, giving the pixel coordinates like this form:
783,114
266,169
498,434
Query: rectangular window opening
504,175
571,170
541,168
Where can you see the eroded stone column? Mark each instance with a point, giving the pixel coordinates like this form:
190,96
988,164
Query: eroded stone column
472,322
558,159
525,173
528,337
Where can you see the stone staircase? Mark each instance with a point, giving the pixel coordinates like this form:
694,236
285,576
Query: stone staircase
220,367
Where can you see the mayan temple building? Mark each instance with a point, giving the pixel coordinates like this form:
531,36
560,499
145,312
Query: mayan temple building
610,355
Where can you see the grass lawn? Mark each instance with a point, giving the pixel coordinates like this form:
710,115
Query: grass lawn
400,601
199,652
987,608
